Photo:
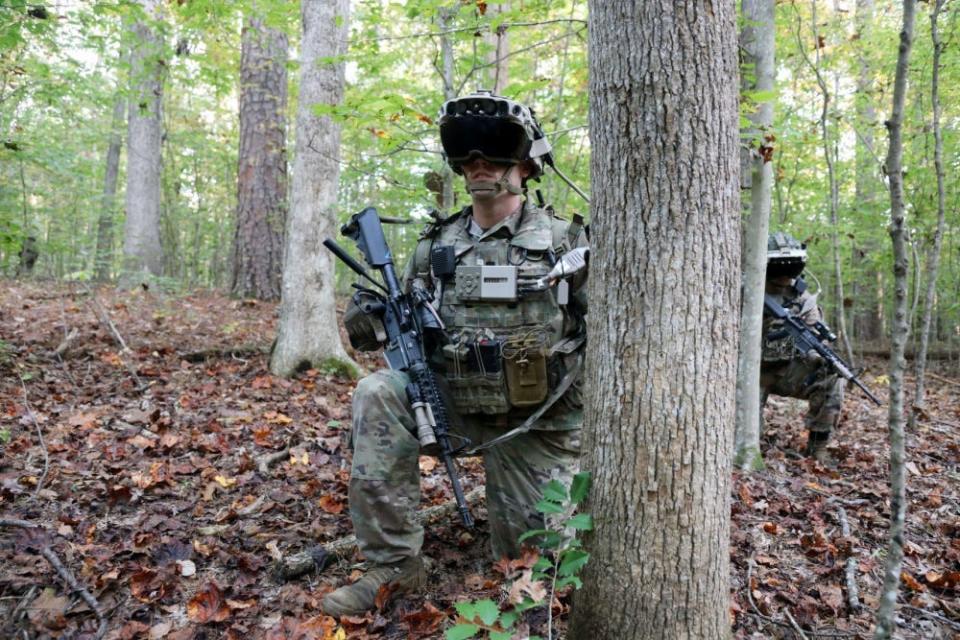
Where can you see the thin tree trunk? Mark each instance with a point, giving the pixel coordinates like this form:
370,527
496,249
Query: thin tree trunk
933,261
142,252
833,187
898,335
308,333
262,171
444,20
867,303
104,253
664,298
758,42
498,77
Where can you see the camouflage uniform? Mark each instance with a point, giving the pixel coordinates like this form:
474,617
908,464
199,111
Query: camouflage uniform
786,372
486,395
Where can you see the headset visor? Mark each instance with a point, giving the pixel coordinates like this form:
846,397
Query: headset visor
493,139
785,267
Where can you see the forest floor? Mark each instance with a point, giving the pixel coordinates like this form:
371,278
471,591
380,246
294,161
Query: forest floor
147,470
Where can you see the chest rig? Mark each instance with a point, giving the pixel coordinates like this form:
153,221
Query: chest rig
778,344
501,355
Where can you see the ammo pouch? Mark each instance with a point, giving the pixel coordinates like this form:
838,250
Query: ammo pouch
474,372
494,375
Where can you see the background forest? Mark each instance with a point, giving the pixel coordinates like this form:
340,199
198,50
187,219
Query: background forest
65,77
180,154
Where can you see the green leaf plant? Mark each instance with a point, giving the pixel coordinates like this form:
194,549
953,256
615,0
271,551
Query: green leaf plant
562,559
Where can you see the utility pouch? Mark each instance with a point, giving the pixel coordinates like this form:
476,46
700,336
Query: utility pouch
525,365
476,378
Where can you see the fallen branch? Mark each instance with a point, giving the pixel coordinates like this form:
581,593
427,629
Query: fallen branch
935,616
43,445
66,343
104,318
319,557
853,593
794,625
63,572
270,459
222,352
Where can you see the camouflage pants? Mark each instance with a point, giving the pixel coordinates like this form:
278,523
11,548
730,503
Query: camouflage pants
812,381
385,478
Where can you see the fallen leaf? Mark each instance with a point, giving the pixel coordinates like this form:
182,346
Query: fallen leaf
224,481
525,585
910,582
160,630
331,504
207,605
48,609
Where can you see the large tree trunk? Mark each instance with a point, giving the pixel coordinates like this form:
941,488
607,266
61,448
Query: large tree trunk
104,253
898,504
262,170
308,333
933,260
142,253
758,39
664,292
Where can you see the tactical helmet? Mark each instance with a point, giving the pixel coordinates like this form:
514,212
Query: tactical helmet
786,256
497,129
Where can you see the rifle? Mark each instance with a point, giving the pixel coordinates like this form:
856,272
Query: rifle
408,319
806,339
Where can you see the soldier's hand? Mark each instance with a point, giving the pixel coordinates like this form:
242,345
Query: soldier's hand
813,357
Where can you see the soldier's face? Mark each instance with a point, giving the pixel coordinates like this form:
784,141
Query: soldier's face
480,170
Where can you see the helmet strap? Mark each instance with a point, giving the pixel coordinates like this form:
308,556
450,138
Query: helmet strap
484,189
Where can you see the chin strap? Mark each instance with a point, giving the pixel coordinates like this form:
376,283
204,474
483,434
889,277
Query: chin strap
487,189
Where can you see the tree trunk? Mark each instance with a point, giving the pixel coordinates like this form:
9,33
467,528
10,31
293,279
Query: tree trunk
104,253
142,253
867,305
758,39
498,77
308,333
898,337
933,261
444,20
664,295
262,165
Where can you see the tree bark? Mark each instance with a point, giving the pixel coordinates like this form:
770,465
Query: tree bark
262,163
898,336
142,253
867,304
307,332
933,260
104,252
664,294
757,40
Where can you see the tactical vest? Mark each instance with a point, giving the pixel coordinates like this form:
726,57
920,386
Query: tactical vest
502,356
783,347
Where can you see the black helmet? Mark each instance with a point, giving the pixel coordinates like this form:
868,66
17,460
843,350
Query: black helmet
786,256
497,129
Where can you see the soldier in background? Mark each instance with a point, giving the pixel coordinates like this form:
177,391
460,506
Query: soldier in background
784,371
28,256
507,356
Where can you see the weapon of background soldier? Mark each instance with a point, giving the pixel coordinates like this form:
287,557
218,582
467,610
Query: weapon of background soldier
409,319
807,339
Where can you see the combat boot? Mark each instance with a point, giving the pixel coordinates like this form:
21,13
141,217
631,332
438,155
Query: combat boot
353,599
817,446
